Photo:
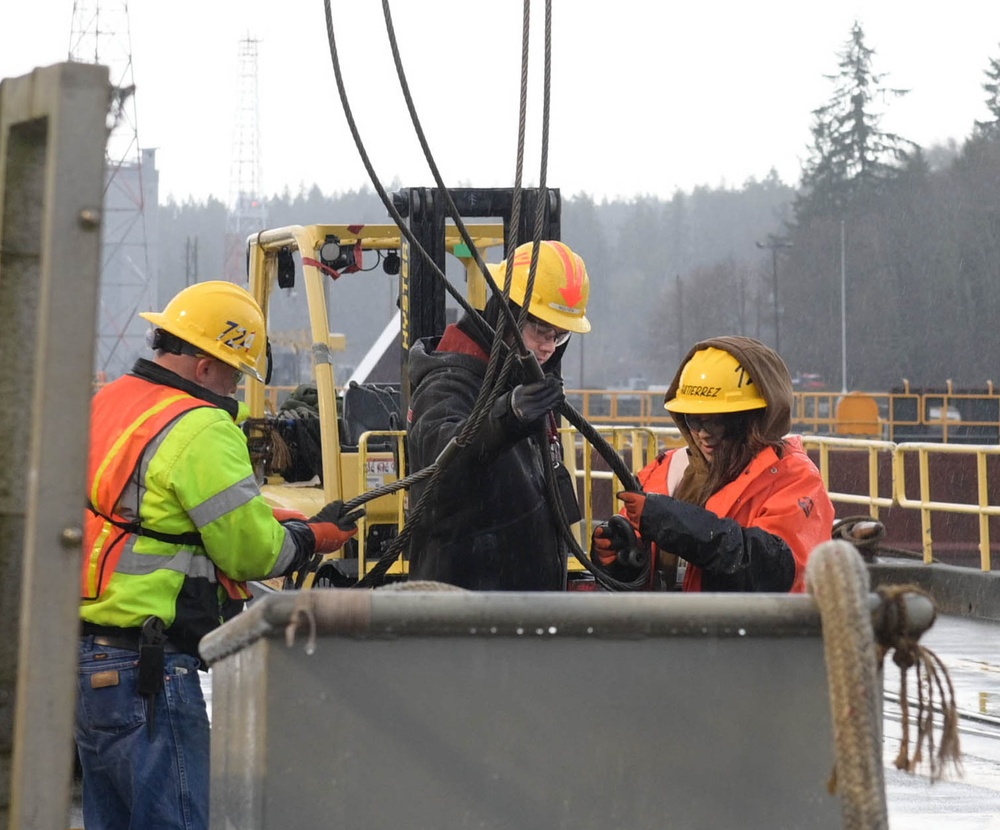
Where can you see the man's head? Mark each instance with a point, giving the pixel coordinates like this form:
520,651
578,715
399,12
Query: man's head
211,333
558,303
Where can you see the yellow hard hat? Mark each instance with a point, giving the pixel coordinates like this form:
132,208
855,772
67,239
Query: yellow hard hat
714,381
219,319
561,289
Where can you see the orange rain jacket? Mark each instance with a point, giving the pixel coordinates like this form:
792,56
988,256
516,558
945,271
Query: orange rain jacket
784,497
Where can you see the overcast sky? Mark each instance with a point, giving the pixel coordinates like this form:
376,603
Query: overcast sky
648,95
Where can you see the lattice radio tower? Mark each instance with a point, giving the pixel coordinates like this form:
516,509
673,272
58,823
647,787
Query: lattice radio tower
101,34
247,211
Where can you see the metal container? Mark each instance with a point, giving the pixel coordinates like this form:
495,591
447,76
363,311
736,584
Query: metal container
446,710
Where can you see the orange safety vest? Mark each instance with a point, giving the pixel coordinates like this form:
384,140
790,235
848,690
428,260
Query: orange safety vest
125,417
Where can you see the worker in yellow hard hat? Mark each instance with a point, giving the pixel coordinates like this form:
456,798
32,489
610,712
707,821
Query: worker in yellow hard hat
742,503
175,526
490,526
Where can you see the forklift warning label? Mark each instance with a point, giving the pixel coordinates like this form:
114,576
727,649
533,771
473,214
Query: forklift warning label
377,469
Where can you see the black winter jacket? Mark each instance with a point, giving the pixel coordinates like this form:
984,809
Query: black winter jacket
489,527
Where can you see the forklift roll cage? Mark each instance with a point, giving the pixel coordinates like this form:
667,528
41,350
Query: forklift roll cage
349,469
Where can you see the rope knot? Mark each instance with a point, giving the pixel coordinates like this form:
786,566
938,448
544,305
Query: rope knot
935,692
891,625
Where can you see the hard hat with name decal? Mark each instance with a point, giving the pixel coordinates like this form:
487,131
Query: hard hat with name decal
713,381
221,320
562,287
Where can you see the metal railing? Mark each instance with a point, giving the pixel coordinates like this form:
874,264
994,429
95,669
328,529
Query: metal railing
948,417
886,481
925,504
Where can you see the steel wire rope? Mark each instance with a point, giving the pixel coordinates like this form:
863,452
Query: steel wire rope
490,387
484,401
487,393
492,382
398,219
605,449
380,190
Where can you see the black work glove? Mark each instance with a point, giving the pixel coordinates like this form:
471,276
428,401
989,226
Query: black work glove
530,401
333,513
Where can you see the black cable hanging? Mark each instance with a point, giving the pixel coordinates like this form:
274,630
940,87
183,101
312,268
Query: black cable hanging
493,382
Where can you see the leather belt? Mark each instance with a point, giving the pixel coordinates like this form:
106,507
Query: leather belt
124,638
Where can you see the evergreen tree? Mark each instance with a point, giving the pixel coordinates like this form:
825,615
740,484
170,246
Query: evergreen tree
991,127
850,155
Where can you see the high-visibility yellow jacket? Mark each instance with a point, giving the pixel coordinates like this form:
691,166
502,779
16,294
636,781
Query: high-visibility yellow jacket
175,512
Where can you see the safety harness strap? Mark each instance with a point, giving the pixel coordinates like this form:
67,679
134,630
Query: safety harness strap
191,538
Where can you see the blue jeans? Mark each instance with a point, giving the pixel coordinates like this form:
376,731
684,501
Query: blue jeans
133,777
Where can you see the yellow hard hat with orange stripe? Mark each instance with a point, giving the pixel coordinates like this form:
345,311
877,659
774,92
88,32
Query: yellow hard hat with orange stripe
562,286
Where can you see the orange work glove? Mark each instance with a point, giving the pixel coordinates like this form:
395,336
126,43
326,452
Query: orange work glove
602,546
634,503
329,537
285,514
615,541
332,527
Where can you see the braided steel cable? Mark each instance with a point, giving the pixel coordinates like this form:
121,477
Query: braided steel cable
377,184
499,353
495,379
443,191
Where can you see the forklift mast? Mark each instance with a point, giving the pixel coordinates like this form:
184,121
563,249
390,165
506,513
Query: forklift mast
421,294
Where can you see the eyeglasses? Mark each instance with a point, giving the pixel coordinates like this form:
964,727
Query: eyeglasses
711,424
546,333
237,373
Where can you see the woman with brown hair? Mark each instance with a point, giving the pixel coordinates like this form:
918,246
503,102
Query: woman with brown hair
742,504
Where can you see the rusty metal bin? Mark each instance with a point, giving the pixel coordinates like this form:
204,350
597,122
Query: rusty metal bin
447,710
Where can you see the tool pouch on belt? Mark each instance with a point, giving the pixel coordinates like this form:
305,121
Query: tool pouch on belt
566,488
151,664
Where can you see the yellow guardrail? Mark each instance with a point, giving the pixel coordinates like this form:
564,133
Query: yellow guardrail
902,416
640,444
948,417
925,504
824,445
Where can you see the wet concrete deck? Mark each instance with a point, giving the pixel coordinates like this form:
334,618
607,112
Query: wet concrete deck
971,800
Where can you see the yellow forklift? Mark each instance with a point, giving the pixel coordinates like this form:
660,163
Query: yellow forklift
352,440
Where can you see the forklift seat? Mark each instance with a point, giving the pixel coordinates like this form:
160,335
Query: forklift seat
370,407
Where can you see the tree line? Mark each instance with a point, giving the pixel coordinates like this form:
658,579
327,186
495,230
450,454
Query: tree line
884,257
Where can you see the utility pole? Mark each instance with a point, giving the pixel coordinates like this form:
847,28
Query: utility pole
680,320
843,309
774,244
191,261
743,302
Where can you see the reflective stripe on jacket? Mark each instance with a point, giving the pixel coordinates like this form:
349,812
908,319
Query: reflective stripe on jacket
179,467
